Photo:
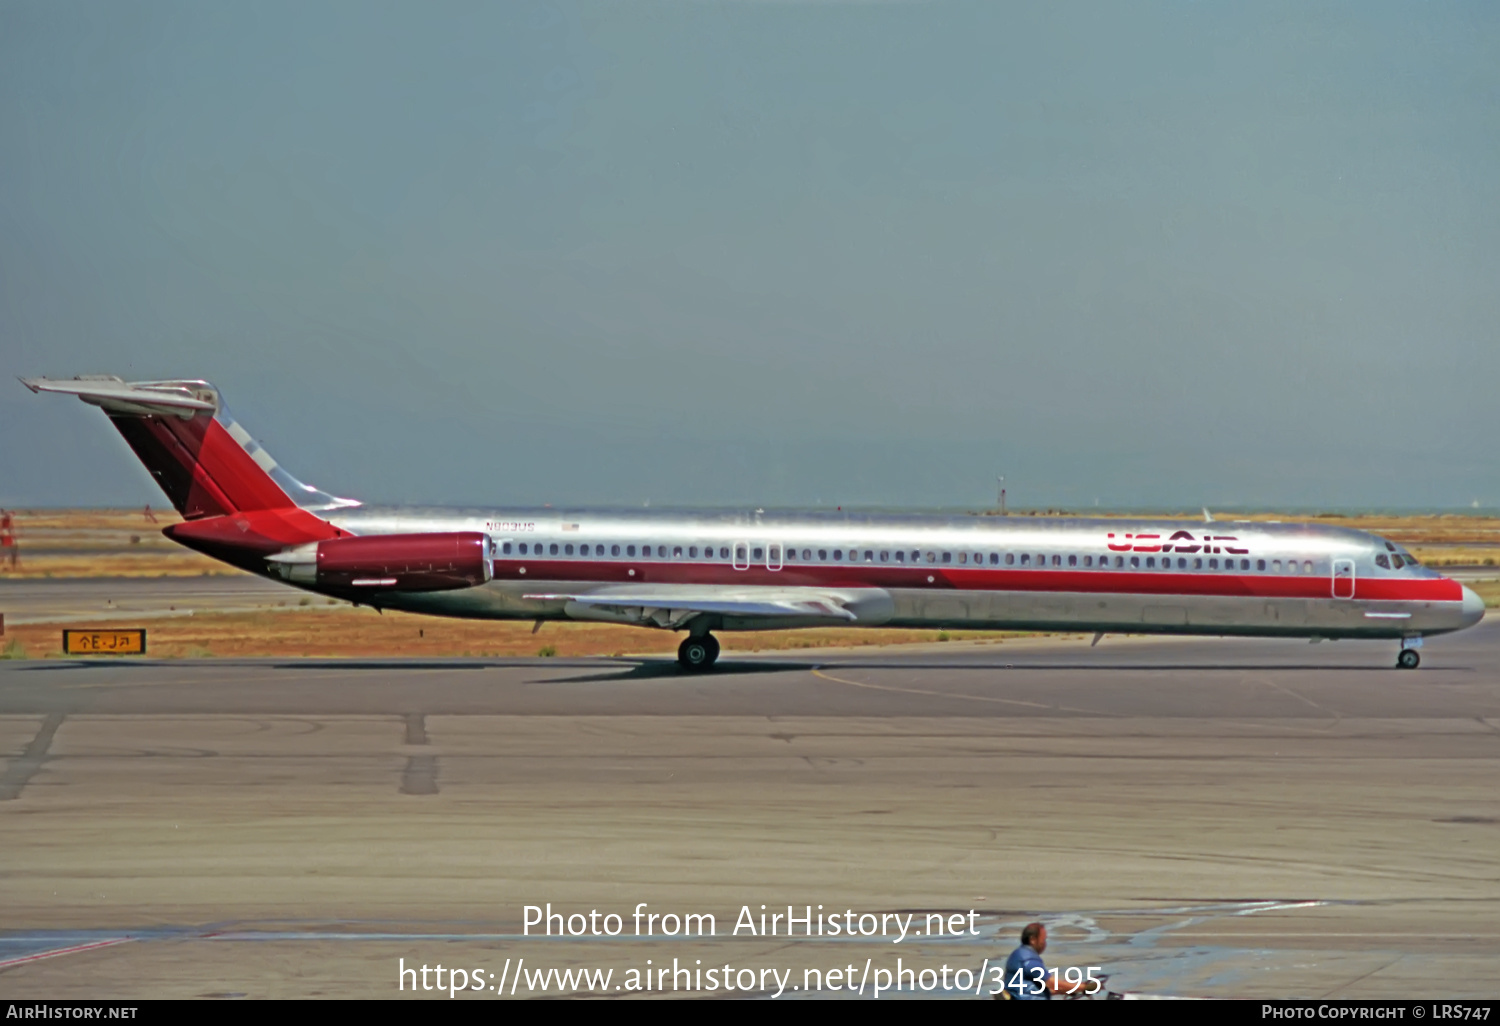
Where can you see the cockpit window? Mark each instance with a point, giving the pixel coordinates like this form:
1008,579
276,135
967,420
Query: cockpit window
1380,560
1397,561
1410,559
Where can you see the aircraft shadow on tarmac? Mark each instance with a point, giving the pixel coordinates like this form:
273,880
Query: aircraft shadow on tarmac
661,668
668,669
1119,667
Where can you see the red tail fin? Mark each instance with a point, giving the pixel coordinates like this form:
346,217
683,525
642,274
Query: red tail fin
206,463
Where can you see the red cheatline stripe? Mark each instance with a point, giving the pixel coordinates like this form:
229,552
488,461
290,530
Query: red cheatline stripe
1160,583
63,951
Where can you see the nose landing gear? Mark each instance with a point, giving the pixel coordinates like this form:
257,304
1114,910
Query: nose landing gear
698,654
1409,658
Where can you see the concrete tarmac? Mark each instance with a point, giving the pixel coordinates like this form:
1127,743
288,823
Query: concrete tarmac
1214,817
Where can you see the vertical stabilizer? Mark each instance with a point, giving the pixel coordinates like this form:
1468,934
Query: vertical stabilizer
203,460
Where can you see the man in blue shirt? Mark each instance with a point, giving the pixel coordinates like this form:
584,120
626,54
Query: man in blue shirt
1025,974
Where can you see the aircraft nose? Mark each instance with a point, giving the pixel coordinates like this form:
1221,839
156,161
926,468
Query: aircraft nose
1472,610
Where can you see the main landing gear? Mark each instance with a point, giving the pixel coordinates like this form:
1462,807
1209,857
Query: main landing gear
698,654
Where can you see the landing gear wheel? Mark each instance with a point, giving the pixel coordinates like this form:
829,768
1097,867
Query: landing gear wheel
1409,659
698,654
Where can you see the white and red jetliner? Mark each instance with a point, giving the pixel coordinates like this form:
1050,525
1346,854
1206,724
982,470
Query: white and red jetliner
701,572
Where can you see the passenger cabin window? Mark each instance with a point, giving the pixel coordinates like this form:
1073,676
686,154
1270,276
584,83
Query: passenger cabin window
676,551
1072,560
739,553
900,556
994,559
1213,564
932,557
1025,559
1260,564
1307,566
947,557
1135,561
614,550
505,548
838,554
567,549
823,554
724,552
1088,560
963,557
885,556
1119,562
1010,559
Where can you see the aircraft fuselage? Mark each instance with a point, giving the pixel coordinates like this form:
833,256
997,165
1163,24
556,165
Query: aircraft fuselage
979,572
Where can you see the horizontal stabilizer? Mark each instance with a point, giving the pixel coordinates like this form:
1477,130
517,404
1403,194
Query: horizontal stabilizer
142,397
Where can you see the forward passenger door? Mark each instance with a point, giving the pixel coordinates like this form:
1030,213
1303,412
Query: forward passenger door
1343,578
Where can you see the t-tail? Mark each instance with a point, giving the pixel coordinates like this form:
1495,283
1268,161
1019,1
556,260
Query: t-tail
236,501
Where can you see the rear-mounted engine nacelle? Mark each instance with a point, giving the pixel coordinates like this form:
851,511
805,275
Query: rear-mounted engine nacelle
391,562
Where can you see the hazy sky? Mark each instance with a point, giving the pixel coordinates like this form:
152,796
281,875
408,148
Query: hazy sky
774,253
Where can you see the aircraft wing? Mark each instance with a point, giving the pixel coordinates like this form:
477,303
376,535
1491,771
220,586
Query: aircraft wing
670,605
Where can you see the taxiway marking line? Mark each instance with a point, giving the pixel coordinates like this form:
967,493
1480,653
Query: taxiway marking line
62,951
818,672
1337,716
